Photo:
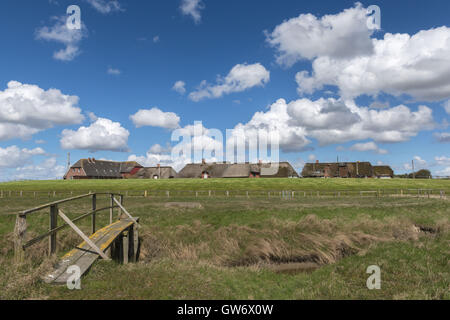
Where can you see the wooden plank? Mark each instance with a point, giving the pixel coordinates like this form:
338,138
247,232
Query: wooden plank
53,225
83,256
82,235
126,212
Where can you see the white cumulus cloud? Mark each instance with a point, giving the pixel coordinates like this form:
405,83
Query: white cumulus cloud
101,135
26,109
240,78
368,146
344,54
154,117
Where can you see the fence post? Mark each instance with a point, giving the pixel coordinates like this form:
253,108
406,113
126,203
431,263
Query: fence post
111,210
94,207
248,195
53,225
125,246
145,193
228,194
20,231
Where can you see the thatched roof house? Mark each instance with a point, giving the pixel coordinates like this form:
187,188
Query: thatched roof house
157,172
383,172
235,170
345,170
101,169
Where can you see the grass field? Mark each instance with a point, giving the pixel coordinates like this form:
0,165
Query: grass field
247,248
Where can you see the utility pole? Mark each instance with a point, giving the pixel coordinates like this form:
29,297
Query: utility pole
68,160
413,173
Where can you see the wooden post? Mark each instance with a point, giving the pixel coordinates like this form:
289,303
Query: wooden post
145,193
228,194
19,238
125,246
111,210
53,225
94,207
135,242
120,209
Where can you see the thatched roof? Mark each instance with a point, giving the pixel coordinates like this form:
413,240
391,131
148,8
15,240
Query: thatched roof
341,169
151,172
105,169
383,171
234,170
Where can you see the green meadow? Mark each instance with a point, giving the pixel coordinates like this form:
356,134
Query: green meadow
239,247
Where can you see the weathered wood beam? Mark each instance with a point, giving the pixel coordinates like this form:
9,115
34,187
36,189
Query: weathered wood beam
82,235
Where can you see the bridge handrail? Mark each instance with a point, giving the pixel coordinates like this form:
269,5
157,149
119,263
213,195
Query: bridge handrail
21,221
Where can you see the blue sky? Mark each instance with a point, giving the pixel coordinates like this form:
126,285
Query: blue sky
341,85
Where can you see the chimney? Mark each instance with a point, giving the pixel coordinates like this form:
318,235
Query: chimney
93,160
158,166
260,162
317,161
203,161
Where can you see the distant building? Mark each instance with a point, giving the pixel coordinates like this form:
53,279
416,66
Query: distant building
101,169
346,170
158,172
235,170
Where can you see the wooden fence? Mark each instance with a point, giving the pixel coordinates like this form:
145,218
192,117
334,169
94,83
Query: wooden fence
282,194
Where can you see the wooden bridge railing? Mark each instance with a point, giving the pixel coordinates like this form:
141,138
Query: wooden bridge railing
20,243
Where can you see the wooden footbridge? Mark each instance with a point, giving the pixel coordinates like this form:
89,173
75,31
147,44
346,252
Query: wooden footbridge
119,240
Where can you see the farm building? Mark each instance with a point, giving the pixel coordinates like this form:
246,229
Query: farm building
346,170
235,170
158,172
101,169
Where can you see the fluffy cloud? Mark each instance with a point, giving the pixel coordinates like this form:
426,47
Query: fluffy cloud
343,54
331,121
344,35
155,118
101,135
447,106
59,32
443,137
27,109
14,157
276,119
369,146
46,170
240,78
105,6
192,8
179,87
